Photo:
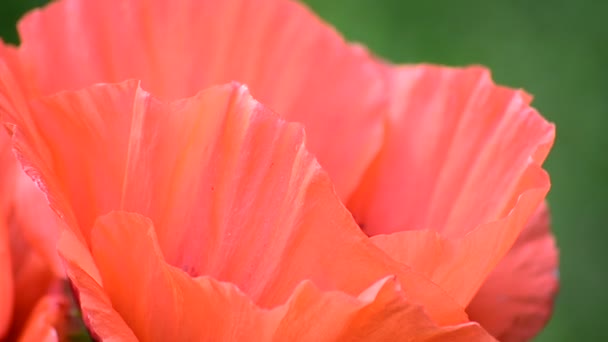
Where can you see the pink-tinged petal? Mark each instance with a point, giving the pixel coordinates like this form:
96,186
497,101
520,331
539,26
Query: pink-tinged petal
38,224
456,148
24,272
6,281
461,162
126,250
380,313
32,278
6,259
216,173
460,265
31,272
516,300
97,310
289,58
14,106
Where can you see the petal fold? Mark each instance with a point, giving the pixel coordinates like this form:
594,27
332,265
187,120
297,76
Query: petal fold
28,263
218,174
458,177
523,285
101,319
289,58
126,249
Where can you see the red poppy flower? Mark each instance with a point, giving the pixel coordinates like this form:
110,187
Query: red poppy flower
193,212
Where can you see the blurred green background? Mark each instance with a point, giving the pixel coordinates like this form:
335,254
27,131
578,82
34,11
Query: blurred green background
558,51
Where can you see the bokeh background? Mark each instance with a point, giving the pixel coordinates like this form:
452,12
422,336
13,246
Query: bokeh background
558,51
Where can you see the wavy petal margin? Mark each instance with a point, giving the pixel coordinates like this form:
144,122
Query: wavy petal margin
126,250
231,189
458,177
292,61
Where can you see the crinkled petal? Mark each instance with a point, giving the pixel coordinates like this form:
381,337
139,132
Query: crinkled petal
456,148
460,265
290,59
380,313
461,159
523,285
126,250
217,174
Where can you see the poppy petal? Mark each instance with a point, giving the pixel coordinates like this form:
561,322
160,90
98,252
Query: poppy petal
381,313
13,94
6,281
25,274
125,249
216,173
288,57
523,285
460,265
31,272
461,158
32,278
97,310
6,259
38,224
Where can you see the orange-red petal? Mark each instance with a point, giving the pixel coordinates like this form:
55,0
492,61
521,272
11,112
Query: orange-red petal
516,300
460,265
30,272
380,313
38,224
216,173
32,278
455,150
25,268
25,252
13,88
6,280
102,320
461,162
126,251
203,309
6,259
290,59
